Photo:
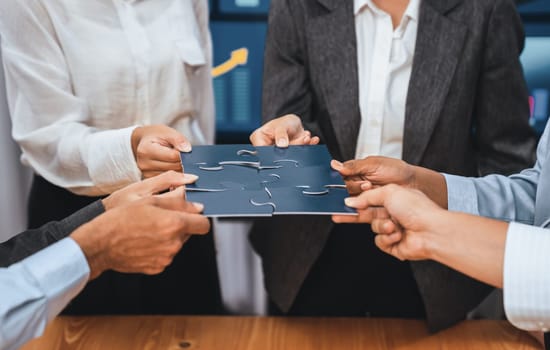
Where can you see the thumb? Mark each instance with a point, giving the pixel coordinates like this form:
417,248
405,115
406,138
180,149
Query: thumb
281,137
349,168
176,139
373,198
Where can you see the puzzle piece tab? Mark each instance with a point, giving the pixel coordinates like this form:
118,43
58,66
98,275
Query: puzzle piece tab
260,181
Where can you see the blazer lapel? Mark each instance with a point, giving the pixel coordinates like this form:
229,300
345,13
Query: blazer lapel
438,46
331,36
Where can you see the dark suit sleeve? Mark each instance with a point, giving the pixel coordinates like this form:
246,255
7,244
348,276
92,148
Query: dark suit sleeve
31,241
506,141
286,85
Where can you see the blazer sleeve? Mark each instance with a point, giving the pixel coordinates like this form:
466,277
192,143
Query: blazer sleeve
29,242
504,138
286,84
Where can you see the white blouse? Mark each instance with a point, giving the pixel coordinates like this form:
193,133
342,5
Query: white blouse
385,59
81,75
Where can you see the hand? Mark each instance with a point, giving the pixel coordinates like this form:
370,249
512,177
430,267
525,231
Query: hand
157,149
142,237
371,172
146,188
283,131
406,227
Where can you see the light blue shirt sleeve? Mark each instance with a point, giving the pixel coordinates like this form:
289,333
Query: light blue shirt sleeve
35,290
461,194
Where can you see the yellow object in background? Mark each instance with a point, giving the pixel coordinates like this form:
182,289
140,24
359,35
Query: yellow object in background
238,57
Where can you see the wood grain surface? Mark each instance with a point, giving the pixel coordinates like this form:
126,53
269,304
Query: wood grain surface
264,333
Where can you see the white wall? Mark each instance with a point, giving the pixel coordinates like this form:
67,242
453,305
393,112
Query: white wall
14,178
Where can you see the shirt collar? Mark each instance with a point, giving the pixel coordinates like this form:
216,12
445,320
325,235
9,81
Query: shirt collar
412,11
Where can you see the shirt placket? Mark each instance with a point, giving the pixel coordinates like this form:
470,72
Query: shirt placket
378,85
140,48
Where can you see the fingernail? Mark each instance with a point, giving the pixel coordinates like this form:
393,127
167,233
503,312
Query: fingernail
282,143
198,206
366,186
350,201
337,164
185,147
190,177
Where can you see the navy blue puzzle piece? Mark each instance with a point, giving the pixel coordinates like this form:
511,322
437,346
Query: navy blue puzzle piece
297,156
232,176
230,203
314,177
298,180
210,157
285,201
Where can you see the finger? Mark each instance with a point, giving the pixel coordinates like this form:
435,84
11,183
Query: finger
356,187
153,150
314,140
165,181
175,200
366,186
383,226
193,224
175,139
281,137
386,243
372,198
345,219
261,138
160,167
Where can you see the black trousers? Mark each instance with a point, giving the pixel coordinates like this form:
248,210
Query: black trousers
189,285
352,277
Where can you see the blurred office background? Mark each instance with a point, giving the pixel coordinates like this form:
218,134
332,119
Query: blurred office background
239,24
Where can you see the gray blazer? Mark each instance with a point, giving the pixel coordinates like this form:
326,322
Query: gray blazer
29,242
466,113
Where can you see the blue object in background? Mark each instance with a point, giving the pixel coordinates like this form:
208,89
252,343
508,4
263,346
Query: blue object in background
534,8
238,93
536,65
243,6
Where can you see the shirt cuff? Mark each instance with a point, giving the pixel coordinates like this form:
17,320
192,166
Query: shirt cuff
461,194
61,271
527,277
110,159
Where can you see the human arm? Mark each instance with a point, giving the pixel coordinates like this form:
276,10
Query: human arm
36,289
509,256
142,237
504,198
416,228
31,241
62,138
286,84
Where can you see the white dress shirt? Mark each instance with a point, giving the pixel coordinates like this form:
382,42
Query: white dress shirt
81,75
35,290
385,58
527,277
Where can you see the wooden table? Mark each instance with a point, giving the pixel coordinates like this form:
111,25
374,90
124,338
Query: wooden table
220,333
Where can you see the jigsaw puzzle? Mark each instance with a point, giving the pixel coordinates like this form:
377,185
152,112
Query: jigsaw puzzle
247,181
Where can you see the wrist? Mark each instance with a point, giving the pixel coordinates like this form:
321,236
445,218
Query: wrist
91,239
438,237
136,138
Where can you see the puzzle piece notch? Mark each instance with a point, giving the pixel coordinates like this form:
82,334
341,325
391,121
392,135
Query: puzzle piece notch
208,158
230,203
291,177
284,201
233,177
